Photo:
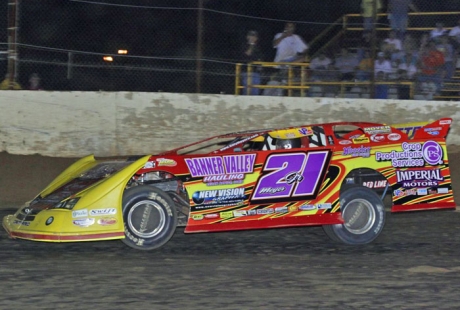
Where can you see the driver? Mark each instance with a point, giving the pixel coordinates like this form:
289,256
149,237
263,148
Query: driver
287,143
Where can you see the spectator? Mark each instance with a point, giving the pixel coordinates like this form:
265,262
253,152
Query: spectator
251,52
431,66
424,42
407,69
365,67
454,34
381,90
409,44
438,32
393,46
6,84
274,80
398,14
34,82
393,43
318,65
367,10
382,65
289,46
365,44
347,64
448,50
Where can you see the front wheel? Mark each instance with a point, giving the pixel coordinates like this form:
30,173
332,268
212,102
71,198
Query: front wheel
149,216
363,213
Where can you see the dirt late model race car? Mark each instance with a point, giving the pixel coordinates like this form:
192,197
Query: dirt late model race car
335,175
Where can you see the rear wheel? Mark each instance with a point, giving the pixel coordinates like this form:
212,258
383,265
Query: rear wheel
364,217
149,216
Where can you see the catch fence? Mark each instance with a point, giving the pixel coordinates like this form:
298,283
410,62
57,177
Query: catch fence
170,46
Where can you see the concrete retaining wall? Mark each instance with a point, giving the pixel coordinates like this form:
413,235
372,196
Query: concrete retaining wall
74,124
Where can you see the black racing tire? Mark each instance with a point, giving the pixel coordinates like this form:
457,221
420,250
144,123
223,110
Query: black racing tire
364,217
149,217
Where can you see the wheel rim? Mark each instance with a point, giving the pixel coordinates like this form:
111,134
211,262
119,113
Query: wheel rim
359,216
146,219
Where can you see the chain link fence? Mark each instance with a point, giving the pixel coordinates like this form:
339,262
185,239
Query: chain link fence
174,45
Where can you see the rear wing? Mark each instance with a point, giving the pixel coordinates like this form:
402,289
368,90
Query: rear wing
425,130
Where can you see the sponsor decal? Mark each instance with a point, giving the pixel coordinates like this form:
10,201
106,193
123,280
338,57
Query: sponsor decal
149,164
84,222
413,155
432,153
166,162
211,216
422,191
307,207
330,140
252,212
394,136
434,133
362,151
432,129
324,206
306,131
49,221
344,142
404,192
361,140
27,210
219,197
99,212
226,179
410,131
377,129
219,165
432,192
197,217
230,168
419,178
80,213
377,138
375,184
293,208
22,223
443,190
226,214
265,211
281,209
238,213
107,221
445,122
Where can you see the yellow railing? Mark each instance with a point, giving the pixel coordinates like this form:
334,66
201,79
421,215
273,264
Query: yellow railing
411,14
329,35
302,84
291,83
342,25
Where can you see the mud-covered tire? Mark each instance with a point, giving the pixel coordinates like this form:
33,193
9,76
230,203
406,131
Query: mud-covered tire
364,217
149,217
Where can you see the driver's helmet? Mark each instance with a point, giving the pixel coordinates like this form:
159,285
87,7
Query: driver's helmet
287,143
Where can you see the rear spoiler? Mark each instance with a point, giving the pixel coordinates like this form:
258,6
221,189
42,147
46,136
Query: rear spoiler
426,130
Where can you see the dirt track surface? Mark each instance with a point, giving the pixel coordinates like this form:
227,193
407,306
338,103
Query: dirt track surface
414,264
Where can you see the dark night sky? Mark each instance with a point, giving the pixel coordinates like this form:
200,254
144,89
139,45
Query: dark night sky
154,32
91,27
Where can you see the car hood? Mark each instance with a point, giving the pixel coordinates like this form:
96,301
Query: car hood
75,181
